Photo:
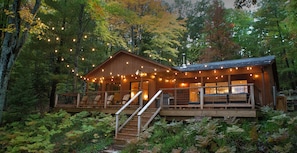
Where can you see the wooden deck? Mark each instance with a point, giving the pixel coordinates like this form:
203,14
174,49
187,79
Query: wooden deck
173,102
174,112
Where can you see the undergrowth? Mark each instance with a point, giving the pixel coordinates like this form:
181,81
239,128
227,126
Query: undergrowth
58,132
275,132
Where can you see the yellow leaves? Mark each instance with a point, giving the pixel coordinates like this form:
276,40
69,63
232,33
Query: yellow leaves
8,13
26,15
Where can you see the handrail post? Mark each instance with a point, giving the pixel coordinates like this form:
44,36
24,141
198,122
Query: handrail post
252,95
117,125
201,98
139,125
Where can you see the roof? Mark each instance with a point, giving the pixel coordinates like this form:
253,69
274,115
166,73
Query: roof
257,61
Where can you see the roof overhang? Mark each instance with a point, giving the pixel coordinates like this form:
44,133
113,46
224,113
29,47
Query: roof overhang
258,61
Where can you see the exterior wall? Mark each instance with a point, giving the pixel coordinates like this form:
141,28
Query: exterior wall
269,83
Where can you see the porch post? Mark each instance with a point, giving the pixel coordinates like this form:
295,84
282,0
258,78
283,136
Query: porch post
252,96
141,100
263,89
56,100
77,99
105,99
201,97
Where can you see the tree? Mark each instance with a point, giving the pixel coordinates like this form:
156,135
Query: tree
218,36
242,32
147,28
20,18
274,34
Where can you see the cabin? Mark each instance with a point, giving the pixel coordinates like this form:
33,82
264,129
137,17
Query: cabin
142,89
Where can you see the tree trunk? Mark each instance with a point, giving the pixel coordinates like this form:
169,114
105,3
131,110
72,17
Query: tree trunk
11,47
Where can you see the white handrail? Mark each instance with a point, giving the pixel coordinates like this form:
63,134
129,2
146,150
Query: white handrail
149,103
117,128
128,103
145,108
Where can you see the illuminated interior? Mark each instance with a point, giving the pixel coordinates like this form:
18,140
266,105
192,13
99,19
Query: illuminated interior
222,87
210,88
237,88
135,87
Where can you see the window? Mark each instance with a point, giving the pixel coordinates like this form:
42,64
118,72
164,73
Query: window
239,86
194,92
222,87
216,88
210,88
112,87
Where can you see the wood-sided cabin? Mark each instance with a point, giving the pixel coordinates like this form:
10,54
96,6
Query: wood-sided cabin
224,88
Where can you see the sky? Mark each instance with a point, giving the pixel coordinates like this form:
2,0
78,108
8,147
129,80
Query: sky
229,3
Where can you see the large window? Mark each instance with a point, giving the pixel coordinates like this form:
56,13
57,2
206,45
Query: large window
239,86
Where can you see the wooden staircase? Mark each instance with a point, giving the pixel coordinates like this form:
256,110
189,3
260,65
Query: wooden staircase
130,131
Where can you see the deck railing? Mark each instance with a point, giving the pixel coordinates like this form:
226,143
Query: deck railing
93,99
67,99
242,96
119,126
205,97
